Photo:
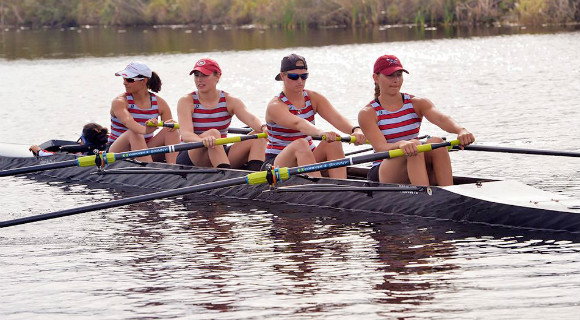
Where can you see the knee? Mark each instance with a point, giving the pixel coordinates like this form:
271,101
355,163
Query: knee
134,136
301,145
214,133
169,133
435,140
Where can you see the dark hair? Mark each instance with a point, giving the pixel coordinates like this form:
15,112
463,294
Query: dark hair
95,134
153,83
377,90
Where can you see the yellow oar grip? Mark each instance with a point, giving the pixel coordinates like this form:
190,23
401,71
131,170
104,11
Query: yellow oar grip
235,139
420,148
161,124
260,177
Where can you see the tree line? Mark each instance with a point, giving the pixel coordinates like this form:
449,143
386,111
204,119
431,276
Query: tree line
285,13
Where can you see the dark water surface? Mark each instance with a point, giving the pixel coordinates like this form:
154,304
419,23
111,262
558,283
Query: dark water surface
209,258
111,41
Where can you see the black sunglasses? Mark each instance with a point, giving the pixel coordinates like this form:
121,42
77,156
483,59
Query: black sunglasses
131,80
295,76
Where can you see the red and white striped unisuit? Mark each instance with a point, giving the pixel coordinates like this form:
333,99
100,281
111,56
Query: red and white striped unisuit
403,124
140,115
217,118
280,137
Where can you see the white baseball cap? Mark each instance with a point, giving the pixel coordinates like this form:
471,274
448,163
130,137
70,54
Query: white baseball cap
134,69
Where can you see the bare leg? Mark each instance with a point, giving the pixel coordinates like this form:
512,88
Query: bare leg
297,153
209,157
331,151
242,152
130,141
394,171
417,170
165,137
439,164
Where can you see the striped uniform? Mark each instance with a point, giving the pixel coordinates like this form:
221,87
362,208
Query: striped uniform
279,137
403,124
139,115
217,118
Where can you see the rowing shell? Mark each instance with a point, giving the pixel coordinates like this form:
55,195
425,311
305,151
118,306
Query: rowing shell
492,202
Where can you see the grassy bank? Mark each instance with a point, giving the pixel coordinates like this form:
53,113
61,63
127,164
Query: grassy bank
285,13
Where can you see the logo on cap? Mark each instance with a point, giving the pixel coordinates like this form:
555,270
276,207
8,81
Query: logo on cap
201,63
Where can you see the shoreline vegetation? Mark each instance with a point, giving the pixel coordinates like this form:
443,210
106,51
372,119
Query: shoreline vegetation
286,14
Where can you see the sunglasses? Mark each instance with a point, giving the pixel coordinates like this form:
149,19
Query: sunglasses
131,80
295,76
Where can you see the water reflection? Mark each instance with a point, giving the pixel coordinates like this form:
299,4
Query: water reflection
108,42
227,257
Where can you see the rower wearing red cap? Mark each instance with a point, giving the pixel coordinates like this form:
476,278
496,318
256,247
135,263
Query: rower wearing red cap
205,115
130,111
393,120
290,120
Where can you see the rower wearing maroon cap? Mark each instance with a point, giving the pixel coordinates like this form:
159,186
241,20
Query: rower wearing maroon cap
205,115
290,120
393,120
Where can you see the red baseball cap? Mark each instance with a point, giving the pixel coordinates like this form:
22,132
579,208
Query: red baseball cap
387,65
206,66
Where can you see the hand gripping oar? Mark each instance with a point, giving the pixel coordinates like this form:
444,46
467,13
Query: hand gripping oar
110,157
349,139
521,150
163,124
256,178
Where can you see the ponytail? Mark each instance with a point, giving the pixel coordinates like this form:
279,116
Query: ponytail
154,83
377,90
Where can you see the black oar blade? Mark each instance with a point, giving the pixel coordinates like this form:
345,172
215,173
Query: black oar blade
42,167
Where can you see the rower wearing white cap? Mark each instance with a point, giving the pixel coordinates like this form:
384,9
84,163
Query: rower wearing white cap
131,110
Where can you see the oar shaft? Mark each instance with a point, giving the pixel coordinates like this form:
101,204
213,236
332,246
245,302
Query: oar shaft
42,167
522,151
126,201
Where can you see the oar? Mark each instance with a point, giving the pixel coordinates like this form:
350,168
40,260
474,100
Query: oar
559,153
110,157
163,124
371,149
256,178
349,139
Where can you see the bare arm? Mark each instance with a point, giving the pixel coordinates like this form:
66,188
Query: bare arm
277,112
329,113
426,108
335,118
238,108
184,114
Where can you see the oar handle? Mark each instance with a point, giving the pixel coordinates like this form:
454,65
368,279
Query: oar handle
174,125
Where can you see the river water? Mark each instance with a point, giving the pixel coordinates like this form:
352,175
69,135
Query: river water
213,259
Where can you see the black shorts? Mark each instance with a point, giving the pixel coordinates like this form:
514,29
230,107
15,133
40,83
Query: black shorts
270,158
184,159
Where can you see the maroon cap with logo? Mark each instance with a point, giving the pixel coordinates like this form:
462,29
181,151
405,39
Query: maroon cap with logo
206,66
387,65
